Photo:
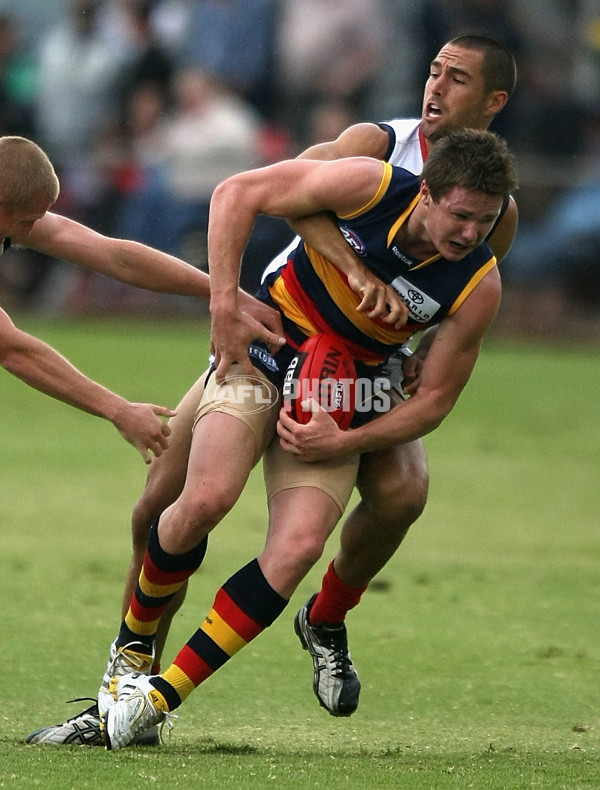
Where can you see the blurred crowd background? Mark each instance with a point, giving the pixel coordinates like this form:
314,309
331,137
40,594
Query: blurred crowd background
145,105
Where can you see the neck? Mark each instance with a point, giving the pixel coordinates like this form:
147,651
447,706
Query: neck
413,238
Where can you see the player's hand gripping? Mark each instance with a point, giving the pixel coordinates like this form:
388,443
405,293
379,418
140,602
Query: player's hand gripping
232,331
316,440
142,426
378,300
267,316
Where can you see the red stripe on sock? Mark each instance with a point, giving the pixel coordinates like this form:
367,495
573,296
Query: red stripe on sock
244,626
193,665
156,576
144,614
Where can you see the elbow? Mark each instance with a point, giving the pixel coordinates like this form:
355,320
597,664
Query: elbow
11,358
438,408
15,348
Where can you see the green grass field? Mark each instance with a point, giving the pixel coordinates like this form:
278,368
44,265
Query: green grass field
478,648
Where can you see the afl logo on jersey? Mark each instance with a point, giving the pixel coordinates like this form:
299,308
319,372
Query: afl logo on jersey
353,240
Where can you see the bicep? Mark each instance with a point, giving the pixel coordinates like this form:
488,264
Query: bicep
300,188
361,139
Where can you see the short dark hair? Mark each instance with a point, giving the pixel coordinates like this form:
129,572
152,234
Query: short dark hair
499,67
470,158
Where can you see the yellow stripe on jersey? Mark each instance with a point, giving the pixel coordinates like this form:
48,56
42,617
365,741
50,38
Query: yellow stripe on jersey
398,224
477,278
386,177
402,218
222,633
157,590
347,301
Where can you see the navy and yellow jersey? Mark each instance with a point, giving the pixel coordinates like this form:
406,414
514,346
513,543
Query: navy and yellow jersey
314,296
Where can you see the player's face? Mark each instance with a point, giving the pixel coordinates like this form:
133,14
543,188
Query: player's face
18,223
454,96
460,220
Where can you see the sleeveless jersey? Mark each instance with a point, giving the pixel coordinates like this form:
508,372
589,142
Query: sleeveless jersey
406,147
314,296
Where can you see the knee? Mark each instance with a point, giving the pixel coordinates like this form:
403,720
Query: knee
398,500
287,561
200,511
307,551
403,503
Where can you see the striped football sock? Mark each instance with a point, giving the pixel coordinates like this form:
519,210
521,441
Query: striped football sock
162,575
244,606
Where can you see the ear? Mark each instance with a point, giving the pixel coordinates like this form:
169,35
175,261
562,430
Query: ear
425,193
495,102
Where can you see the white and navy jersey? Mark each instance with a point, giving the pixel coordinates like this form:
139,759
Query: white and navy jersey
5,245
314,296
406,147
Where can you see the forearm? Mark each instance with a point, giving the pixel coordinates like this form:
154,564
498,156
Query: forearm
128,261
227,239
44,369
322,234
404,423
145,267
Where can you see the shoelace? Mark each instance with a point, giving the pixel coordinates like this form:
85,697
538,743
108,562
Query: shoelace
134,659
167,715
167,720
339,656
92,710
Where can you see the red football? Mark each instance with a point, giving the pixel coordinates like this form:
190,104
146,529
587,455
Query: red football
324,371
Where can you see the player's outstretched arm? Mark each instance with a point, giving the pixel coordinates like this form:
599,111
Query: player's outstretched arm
132,263
128,261
42,367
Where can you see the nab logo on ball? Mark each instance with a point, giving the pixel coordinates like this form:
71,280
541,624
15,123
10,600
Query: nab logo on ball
322,371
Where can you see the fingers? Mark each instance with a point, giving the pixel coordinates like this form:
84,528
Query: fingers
409,388
381,308
225,364
381,301
163,411
397,314
274,342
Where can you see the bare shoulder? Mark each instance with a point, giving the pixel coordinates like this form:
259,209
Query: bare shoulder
361,139
354,181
